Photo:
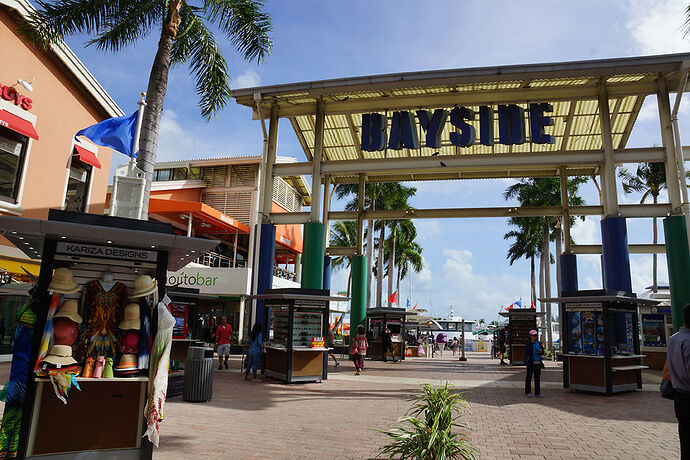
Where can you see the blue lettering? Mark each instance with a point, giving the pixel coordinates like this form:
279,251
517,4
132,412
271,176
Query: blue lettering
486,125
433,126
468,134
511,124
373,132
537,122
403,132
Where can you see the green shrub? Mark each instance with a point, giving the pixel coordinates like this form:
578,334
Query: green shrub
431,430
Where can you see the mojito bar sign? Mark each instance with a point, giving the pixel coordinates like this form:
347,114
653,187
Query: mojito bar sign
403,130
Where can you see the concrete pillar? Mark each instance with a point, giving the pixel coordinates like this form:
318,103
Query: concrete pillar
672,179
316,161
267,248
240,331
609,174
358,304
314,250
678,261
616,256
298,267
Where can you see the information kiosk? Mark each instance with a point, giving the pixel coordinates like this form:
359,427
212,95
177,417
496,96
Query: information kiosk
378,319
520,322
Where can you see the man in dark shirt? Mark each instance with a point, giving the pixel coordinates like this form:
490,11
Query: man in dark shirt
387,341
502,340
678,357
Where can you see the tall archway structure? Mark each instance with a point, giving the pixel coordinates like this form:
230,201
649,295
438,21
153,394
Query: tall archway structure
537,120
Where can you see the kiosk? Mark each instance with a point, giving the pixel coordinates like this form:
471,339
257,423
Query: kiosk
105,417
520,322
601,341
296,349
392,318
656,328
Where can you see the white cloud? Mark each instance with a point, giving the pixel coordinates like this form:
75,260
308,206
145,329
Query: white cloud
174,141
248,79
657,27
586,232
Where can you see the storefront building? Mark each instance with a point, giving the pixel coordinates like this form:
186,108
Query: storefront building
217,198
42,166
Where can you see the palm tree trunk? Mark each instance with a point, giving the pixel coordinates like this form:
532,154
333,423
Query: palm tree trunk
349,280
379,267
542,264
655,237
399,268
559,251
547,285
370,259
155,95
533,280
391,269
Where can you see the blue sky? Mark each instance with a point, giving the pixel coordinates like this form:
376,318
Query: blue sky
465,263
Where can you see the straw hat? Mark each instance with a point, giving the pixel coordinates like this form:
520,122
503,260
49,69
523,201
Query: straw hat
132,319
68,309
63,282
143,286
59,356
128,363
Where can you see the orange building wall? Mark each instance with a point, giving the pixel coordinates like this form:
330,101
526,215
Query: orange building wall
291,232
62,110
189,194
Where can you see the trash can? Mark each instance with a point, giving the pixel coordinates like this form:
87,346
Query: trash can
198,374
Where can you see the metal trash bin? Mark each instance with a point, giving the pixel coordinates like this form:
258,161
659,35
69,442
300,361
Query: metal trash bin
198,375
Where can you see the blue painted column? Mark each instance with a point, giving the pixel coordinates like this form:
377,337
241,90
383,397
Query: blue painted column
616,256
267,249
327,273
568,273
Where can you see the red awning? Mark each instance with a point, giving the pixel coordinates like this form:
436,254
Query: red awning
87,157
13,122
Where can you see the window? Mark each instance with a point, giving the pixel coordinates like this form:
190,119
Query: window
77,185
162,174
194,173
12,151
180,174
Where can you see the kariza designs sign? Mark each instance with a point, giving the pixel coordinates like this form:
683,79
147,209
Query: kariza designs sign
403,129
108,252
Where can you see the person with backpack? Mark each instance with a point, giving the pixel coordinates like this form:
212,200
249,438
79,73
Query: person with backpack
359,349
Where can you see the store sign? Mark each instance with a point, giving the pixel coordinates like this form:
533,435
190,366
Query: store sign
108,252
192,279
318,342
8,93
403,129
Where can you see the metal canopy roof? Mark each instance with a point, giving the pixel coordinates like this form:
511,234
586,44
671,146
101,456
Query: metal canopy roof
572,88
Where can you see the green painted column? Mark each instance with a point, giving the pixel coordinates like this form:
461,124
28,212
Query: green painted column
678,261
313,252
358,304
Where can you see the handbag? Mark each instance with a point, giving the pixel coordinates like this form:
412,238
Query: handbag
667,390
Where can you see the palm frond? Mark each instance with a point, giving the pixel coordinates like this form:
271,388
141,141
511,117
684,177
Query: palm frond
131,23
245,24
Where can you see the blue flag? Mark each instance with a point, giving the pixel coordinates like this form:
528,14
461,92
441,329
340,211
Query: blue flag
408,304
518,303
117,133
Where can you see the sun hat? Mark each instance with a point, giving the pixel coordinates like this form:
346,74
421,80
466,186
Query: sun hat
63,282
132,319
68,309
533,332
129,342
128,363
59,356
144,285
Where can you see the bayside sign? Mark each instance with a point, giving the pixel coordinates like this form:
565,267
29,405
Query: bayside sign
403,132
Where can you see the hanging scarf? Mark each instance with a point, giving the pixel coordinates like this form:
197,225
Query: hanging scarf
158,377
144,333
15,391
62,380
47,331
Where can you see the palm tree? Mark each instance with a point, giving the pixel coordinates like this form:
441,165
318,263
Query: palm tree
403,248
546,192
527,244
650,180
185,36
344,234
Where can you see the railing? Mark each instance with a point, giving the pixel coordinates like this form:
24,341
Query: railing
215,260
286,275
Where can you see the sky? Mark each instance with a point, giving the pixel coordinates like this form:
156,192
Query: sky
465,262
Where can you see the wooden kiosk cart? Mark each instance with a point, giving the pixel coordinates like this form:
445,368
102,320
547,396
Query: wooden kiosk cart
601,341
296,349
105,419
392,318
657,327
520,322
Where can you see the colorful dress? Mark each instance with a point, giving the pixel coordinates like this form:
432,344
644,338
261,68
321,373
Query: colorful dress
98,336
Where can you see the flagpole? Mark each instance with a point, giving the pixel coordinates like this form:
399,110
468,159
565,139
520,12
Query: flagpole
140,119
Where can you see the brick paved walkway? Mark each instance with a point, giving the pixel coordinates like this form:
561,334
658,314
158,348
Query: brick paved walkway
247,420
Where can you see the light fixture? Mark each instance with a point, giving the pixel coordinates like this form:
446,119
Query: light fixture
14,233
21,237
28,85
153,246
63,237
110,242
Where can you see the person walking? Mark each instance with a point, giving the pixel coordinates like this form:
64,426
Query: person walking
387,342
209,335
533,354
223,340
255,351
678,360
359,349
331,346
502,340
